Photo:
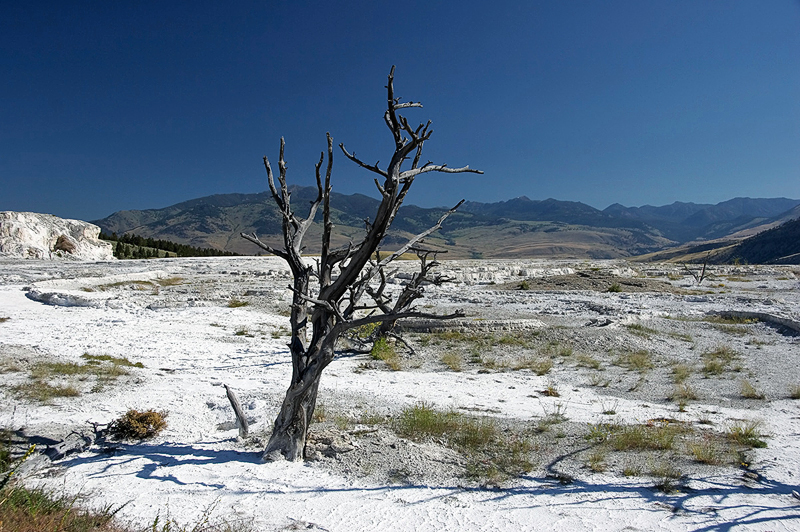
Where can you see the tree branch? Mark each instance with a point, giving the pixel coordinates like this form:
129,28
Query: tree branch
359,162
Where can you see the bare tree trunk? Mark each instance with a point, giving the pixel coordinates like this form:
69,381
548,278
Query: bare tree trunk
337,305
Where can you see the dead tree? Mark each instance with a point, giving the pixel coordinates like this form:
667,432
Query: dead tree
344,276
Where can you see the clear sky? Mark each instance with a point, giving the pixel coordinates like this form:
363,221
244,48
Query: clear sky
106,106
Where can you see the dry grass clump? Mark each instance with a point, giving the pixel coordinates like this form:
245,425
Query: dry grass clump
707,451
749,391
681,372
597,460
640,360
236,303
36,510
588,361
794,391
96,360
452,360
540,366
135,425
719,360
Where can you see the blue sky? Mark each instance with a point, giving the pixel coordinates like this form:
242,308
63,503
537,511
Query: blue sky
106,106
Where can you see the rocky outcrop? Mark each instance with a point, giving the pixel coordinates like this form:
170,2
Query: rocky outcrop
32,235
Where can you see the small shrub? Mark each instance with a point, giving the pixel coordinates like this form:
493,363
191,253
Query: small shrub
599,381
525,285
135,425
683,392
749,391
236,303
794,391
615,287
3,320
320,413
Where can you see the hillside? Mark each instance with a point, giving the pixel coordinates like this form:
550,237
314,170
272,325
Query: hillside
519,227
780,245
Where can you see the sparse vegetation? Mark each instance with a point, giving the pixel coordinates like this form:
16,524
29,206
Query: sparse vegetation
35,510
719,360
551,390
384,351
588,361
3,320
654,437
44,392
597,460
103,368
747,433
640,360
493,455
452,360
135,425
641,330
237,303
540,366
749,391
707,451
794,391
615,287
681,372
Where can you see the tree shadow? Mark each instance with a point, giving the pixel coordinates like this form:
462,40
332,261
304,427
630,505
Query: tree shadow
720,504
160,458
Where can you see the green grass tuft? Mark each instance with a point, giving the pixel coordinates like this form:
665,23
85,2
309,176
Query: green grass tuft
383,350
747,433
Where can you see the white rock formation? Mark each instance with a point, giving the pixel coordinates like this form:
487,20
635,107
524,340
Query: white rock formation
32,235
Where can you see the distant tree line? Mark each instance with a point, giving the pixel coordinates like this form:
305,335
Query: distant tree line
131,246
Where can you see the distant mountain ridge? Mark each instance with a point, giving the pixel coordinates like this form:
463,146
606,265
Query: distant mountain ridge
516,227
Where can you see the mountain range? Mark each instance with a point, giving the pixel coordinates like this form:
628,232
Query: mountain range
519,227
